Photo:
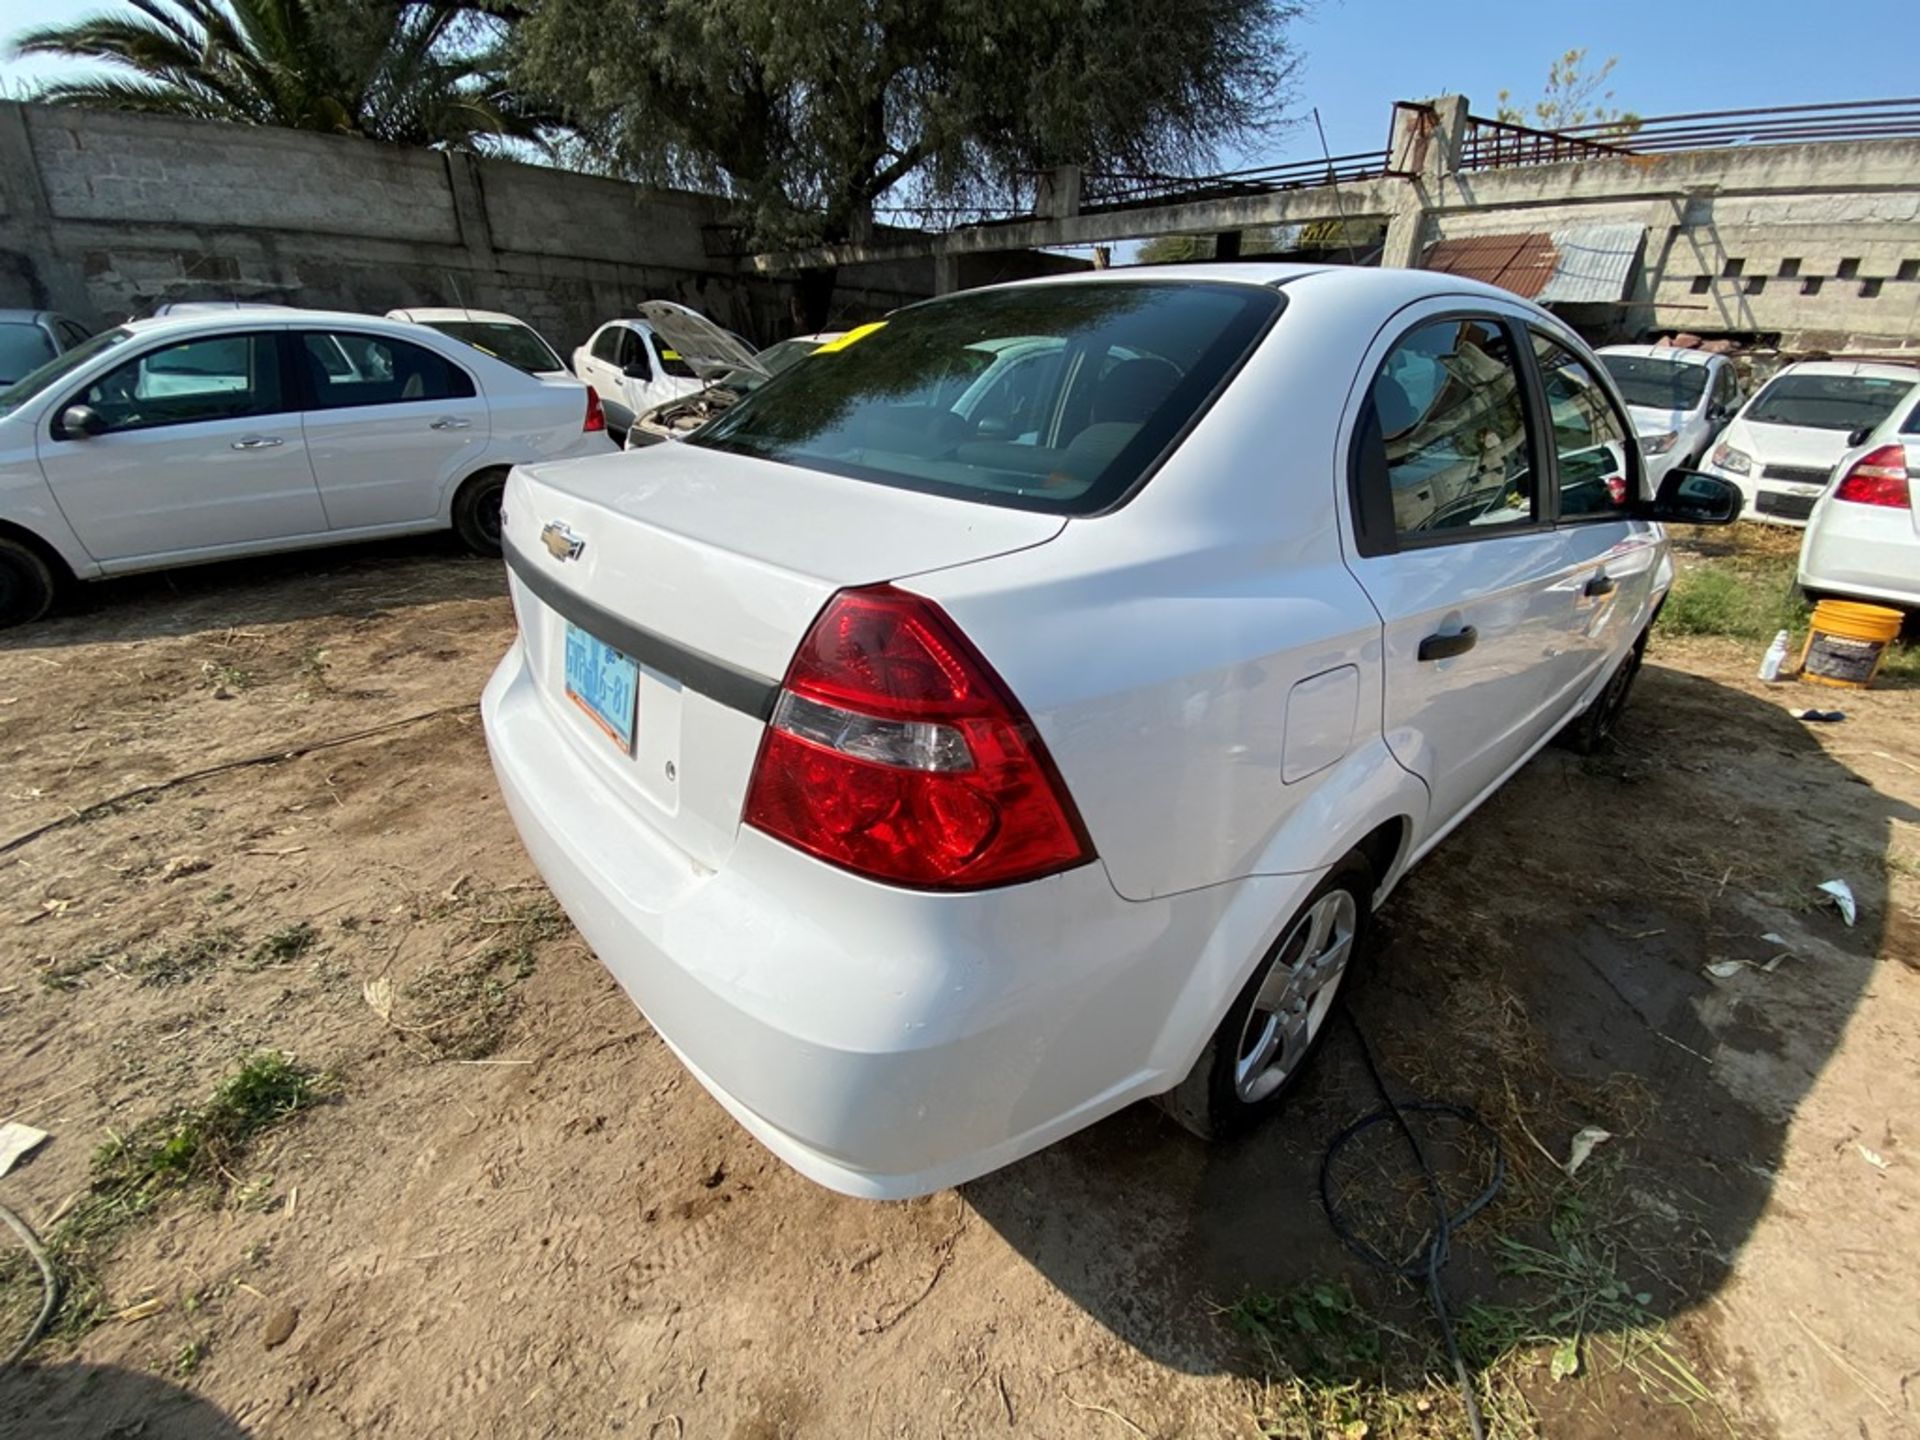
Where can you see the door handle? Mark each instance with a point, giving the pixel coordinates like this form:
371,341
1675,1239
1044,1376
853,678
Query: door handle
1602,584
1442,647
257,442
450,422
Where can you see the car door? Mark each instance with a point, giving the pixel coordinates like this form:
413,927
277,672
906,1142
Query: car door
391,426
1454,543
600,367
1596,468
198,450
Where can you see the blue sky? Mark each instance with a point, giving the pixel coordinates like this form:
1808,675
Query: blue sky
1362,55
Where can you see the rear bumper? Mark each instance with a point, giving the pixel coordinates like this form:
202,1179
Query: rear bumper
882,1042
1861,551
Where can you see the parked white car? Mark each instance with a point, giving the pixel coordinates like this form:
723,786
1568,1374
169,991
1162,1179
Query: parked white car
1863,538
637,364
30,338
1679,401
205,436
939,785
505,337
1782,447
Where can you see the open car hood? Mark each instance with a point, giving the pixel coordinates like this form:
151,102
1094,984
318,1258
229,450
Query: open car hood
701,343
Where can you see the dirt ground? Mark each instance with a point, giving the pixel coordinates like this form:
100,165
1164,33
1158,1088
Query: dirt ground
514,1214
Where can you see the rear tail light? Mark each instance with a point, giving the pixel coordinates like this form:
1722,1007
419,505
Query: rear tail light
897,753
1877,478
596,417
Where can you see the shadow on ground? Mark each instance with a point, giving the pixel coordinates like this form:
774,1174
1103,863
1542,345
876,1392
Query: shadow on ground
1546,966
103,1402
350,580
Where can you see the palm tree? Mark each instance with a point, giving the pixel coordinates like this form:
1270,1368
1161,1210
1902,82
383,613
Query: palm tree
413,72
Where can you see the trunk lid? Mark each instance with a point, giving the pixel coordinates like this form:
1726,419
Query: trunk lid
707,570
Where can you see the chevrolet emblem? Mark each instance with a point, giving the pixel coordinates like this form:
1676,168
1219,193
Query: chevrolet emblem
561,542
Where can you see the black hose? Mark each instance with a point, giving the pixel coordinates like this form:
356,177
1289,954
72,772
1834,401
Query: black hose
1433,1258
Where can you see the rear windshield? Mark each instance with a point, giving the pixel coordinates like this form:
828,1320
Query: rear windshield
22,348
1657,384
1052,397
1828,402
518,345
13,396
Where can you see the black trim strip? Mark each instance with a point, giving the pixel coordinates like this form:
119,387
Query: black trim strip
736,689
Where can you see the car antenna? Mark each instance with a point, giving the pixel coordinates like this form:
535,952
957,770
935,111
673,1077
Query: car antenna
1339,205
454,281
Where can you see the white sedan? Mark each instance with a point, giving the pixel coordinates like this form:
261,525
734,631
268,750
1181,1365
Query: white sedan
1863,538
1679,401
941,770
210,435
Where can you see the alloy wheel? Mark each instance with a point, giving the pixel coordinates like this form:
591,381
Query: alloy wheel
1294,1000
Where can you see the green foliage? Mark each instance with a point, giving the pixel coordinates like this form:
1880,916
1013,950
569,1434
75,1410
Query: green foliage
1574,95
413,72
197,1146
810,111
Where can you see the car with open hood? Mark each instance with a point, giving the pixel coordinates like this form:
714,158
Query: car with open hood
664,352
688,413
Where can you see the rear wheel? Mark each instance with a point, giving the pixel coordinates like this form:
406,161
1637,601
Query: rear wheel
1592,728
1278,1020
476,511
27,583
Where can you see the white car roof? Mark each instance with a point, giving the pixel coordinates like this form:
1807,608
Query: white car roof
1864,369
427,314
1663,352
271,319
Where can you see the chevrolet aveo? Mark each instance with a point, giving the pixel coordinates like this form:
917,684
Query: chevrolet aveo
942,766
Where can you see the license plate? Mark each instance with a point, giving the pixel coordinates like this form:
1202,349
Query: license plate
603,683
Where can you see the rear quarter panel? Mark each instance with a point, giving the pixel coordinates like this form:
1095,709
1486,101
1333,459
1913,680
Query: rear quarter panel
1177,627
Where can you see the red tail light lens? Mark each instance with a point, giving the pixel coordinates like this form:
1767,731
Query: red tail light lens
897,753
1877,478
596,417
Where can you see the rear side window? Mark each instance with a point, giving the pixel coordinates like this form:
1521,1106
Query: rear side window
1058,397
1590,438
347,369
1828,402
214,377
1445,428
606,345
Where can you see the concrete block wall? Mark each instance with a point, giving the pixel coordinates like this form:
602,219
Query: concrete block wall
105,214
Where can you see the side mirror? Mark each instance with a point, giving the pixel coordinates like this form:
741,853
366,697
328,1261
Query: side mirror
1688,497
1859,437
82,422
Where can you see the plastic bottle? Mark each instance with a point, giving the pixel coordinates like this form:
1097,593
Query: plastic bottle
1775,658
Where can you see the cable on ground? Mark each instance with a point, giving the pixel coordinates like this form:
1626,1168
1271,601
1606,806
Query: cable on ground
1427,1264
49,1285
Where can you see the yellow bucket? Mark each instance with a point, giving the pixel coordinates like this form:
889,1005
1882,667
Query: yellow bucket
1848,642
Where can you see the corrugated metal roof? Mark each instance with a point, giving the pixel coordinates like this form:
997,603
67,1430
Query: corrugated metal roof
1583,263
1520,263
1596,263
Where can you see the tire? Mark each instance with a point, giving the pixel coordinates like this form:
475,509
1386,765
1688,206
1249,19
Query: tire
1590,730
476,511
28,584
1255,1057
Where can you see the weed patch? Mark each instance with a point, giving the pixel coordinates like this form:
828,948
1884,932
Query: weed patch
282,947
195,1148
464,1008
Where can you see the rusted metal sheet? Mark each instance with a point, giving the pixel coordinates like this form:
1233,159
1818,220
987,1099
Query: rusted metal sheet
1521,263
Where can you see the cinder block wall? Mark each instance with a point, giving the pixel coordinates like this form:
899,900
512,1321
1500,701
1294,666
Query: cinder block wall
104,214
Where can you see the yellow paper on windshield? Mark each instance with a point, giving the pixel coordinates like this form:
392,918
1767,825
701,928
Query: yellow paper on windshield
859,332
669,354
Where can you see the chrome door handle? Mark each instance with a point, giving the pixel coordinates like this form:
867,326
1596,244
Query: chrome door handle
450,422
257,442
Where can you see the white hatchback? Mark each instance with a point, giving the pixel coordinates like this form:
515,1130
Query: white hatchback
941,770
1782,447
205,436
